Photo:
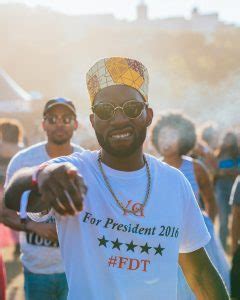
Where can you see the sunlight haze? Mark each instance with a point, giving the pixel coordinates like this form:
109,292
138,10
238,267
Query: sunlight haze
228,10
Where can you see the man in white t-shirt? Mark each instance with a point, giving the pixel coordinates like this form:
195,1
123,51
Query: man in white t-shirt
124,218
44,276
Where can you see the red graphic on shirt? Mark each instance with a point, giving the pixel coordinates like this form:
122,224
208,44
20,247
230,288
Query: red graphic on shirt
129,264
136,208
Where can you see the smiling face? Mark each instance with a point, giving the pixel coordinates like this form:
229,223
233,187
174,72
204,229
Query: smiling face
121,136
59,124
168,141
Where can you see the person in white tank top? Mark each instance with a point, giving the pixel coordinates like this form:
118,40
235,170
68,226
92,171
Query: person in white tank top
174,136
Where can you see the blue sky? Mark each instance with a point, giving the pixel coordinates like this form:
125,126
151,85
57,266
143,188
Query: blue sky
229,10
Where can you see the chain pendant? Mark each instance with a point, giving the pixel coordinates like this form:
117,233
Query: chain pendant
125,210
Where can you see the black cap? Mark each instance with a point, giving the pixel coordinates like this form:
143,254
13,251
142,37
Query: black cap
59,101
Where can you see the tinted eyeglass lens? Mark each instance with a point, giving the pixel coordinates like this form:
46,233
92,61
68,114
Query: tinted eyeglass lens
104,111
133,109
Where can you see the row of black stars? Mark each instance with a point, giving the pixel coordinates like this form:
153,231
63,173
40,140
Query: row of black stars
130,247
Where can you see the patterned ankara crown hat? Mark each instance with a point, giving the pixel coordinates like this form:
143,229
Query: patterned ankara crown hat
117,71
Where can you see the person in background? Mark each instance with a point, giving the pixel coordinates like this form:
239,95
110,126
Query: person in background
235,239
205,154
174,137
11,137
11,141
44,276
206,144
2,279
124,218
2,266
209,133
228,167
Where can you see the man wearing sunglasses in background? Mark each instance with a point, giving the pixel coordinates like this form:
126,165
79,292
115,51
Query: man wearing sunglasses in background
44,276
137,214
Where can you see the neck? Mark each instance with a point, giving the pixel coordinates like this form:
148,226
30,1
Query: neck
173,160
54,150
131,163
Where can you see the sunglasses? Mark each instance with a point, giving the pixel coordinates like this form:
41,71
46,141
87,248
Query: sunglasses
66,120
106,111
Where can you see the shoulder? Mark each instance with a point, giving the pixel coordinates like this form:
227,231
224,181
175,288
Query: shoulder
77,148
26,153
199,167
188,159
31,149
201,172
24,158
164,170
85,157
196,163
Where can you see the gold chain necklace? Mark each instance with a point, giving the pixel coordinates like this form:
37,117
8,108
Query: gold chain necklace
125,210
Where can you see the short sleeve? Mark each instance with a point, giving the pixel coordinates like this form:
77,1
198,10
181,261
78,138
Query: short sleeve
235,193
13,166
194,231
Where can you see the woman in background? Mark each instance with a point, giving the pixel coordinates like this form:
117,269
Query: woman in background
228,166
174,137
11,141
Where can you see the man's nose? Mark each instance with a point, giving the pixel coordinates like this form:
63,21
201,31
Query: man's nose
119,116
59,121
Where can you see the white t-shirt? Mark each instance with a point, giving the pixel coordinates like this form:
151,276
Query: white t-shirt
39,255
109,255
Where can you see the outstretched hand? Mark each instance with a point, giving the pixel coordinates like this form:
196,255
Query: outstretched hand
62,187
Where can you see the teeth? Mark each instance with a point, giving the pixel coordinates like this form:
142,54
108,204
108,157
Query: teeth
121,136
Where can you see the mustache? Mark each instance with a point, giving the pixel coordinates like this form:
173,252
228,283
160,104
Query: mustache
59,129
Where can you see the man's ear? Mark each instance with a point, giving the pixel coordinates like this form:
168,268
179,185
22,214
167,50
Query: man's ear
43,125
75,125
91,118
149,116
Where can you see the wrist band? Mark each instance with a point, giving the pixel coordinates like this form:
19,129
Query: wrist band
23,206
35,174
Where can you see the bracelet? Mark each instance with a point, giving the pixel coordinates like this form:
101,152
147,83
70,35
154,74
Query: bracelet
36,173
23,206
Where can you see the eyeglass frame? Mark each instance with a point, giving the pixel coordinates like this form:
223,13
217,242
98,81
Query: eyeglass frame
145,105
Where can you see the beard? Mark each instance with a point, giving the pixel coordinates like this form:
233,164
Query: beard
138,140
60,140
